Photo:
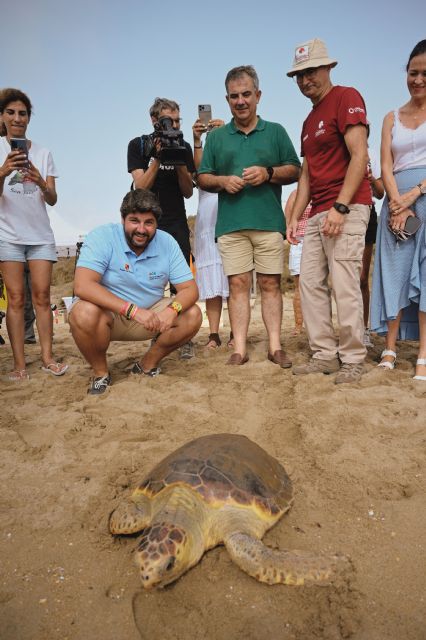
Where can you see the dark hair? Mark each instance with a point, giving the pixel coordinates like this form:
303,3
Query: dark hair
140,201
418,50
12,95
238,72
160,104
2,127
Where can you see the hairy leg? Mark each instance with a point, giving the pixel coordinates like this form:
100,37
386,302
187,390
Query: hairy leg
239,309
185,326
272,307
91,330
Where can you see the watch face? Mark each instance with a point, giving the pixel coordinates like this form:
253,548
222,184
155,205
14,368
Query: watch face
341,208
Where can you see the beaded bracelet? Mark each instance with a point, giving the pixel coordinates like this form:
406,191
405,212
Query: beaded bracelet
129,310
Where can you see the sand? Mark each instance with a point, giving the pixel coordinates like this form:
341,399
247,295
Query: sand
355,453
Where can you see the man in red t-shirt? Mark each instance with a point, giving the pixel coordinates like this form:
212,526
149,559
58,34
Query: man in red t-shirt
334,178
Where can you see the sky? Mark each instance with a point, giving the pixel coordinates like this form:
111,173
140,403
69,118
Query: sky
92,69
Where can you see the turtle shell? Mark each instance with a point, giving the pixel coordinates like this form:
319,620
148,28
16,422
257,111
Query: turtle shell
224,469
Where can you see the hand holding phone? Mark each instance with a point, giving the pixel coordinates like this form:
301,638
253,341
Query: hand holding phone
20,144
205,114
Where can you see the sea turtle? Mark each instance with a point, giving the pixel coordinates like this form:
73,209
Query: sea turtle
215,489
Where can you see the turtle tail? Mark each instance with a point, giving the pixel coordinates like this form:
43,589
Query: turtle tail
283,567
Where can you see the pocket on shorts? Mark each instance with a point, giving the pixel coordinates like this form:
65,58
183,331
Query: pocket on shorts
349,246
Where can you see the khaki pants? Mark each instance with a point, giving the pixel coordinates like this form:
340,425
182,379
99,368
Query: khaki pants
340,259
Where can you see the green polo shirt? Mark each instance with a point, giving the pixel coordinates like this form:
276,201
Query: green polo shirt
227,152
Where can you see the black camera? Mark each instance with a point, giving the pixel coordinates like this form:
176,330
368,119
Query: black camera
172,149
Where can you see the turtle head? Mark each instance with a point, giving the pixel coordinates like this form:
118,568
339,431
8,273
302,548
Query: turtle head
163,554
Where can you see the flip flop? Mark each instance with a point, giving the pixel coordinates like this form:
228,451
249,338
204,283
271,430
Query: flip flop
18,375
55,368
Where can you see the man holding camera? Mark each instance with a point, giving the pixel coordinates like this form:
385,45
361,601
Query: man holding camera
163,163
246,162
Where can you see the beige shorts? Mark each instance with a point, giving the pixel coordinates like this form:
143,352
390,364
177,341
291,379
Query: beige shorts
243,251
123,329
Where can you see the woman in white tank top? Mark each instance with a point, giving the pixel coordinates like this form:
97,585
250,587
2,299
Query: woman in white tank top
398,307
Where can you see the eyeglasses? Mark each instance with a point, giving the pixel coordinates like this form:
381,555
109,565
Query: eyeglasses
307,73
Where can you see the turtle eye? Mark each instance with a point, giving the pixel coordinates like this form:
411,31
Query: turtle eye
171,563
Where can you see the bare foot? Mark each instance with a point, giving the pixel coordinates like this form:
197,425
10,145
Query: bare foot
214,341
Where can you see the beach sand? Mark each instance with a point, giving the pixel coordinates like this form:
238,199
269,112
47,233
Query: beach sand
355,453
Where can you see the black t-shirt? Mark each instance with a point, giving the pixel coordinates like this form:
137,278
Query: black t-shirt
166,185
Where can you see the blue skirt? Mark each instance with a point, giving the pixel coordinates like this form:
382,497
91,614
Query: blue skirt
399,276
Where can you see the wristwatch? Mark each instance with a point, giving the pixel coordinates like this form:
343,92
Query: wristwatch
422,188
270,171
341,208
176,306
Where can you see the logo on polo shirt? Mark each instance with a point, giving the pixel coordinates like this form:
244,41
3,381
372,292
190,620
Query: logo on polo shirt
126,267
153,275
356,110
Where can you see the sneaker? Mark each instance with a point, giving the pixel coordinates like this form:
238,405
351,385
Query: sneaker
315,365
98,386
137,370
367,338
349,373
187,351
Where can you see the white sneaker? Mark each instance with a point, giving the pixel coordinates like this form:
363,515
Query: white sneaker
367,338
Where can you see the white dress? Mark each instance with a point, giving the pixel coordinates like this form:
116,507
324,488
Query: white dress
210,278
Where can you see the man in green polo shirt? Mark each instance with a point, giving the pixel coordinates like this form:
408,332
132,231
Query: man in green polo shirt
246,162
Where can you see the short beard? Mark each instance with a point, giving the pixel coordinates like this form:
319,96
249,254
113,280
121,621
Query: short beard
136,246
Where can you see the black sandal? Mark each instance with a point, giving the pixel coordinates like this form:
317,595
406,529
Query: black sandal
214,337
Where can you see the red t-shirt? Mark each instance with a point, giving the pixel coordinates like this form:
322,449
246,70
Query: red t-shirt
325,150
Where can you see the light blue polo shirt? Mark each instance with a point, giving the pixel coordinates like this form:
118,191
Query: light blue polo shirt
140,279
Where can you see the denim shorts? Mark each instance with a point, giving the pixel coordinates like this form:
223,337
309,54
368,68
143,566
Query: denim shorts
10,252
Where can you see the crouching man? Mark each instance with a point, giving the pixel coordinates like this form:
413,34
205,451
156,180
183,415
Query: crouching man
120,279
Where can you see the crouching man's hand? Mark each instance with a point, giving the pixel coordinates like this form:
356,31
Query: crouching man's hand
149,319
166,319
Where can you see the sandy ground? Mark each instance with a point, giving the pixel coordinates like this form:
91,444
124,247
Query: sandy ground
356,455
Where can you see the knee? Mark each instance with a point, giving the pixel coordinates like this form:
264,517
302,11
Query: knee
240,283
269,284
41,299
84,316
194,316
15,299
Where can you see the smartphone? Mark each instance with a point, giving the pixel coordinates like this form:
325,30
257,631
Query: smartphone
205,113
20,144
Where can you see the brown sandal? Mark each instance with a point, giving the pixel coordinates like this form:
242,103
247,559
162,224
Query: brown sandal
214,337
230,343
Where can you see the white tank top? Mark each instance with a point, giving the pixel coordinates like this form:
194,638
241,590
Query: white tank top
408,145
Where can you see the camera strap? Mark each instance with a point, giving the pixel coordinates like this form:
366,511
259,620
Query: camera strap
143,138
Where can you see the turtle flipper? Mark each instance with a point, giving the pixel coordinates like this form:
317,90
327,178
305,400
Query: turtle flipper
282,567
131,516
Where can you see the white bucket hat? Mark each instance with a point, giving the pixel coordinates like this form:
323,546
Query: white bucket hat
310,54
